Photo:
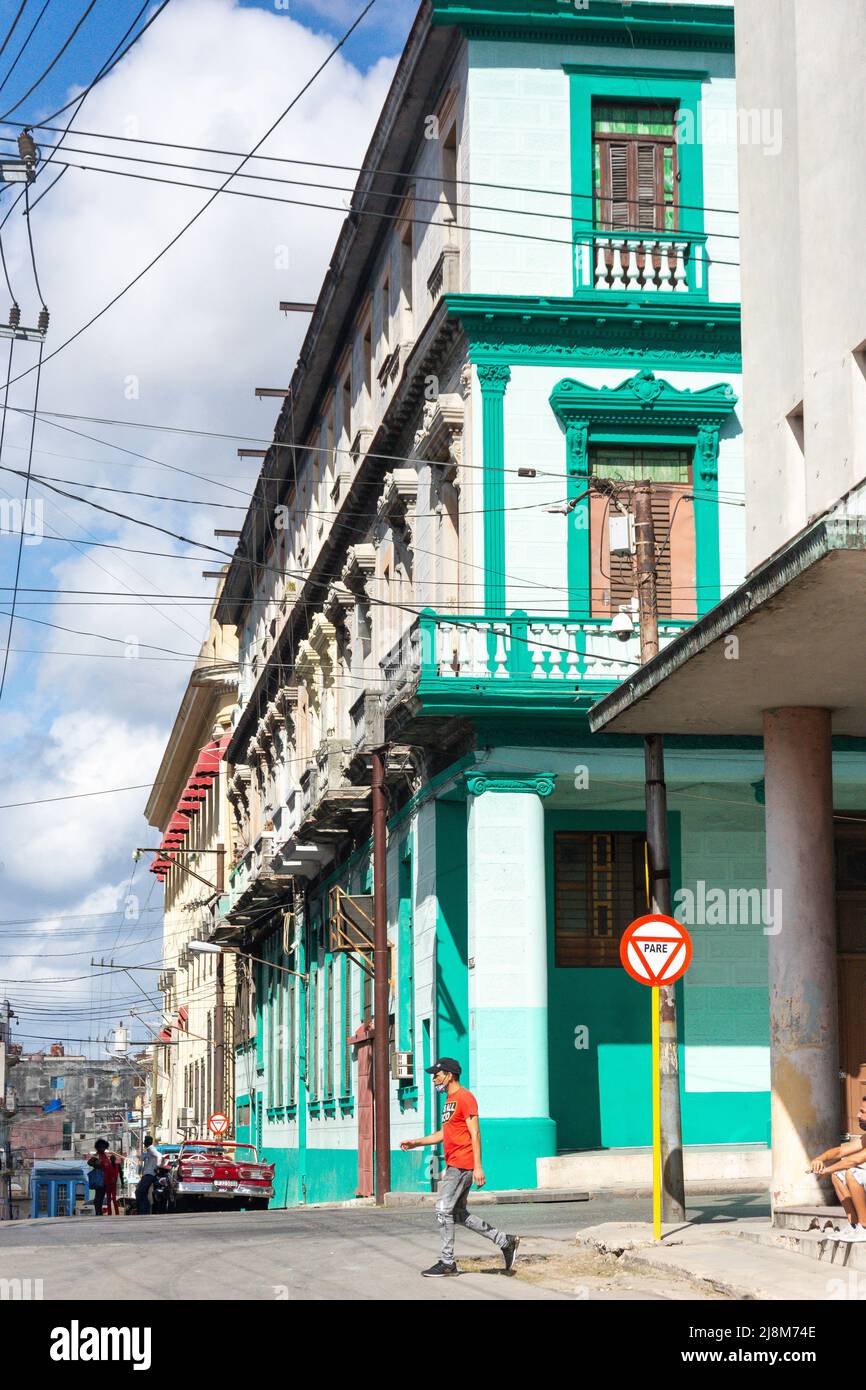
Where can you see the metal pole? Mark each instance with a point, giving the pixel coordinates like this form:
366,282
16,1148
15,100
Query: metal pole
381,983
673,1188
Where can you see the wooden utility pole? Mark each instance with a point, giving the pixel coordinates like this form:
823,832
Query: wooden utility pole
673,1188
381,983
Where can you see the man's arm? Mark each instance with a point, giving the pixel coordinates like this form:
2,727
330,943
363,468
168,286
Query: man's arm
419,1143
475,1135
819,1164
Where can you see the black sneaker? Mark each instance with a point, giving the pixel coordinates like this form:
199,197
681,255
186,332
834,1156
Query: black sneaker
439,1271
509,1253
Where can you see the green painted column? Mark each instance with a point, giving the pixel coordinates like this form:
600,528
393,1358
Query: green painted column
706,484
493,378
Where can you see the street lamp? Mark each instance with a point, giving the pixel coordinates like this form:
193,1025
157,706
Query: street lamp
216,948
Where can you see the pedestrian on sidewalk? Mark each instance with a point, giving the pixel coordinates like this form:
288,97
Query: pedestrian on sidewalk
460,1137
149,1167
110,1166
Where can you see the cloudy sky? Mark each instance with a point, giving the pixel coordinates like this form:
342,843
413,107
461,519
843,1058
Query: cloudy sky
184,348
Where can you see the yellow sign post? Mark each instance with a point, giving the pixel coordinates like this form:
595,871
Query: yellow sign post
656,950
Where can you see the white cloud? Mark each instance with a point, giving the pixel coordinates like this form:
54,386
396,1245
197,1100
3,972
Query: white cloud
186,346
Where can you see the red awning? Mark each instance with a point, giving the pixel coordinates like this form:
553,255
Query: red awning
165,1034
179,822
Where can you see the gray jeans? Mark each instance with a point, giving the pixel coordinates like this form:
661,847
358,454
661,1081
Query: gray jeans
451,1210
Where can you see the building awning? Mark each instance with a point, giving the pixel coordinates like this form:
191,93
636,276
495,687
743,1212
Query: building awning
793,634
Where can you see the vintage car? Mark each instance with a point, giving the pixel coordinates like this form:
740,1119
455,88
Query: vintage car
220,1171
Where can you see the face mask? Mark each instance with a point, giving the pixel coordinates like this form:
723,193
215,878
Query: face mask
441,1089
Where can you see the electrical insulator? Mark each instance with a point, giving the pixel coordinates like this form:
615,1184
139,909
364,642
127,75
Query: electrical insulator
14,316
27,147
42,322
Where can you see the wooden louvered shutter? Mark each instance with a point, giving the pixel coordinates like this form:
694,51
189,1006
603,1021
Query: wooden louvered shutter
648,158
662,500
618,173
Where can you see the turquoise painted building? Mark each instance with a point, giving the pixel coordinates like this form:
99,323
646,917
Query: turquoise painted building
547,314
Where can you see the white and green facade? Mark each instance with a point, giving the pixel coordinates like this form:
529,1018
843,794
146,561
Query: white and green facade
481,358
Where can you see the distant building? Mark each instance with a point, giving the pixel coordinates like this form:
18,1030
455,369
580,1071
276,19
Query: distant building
99,1097
189,806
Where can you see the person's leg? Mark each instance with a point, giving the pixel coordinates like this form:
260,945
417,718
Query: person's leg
142,1195
840,1187
447,1198
98,1198
858,1198
464,1217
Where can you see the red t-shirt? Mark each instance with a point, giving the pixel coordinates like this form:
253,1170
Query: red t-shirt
456,1138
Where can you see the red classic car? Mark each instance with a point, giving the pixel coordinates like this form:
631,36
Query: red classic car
219,1170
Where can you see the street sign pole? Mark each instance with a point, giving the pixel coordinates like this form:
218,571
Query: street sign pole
656,950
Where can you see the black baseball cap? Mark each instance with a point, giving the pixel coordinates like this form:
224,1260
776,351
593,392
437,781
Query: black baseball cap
445,1064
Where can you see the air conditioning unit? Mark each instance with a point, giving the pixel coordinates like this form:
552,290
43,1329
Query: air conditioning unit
403,1066
80,1134
185,1117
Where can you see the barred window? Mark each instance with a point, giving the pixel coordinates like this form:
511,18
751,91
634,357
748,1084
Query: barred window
599,888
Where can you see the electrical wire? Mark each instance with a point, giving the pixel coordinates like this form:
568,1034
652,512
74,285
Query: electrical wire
22,7
20,53
570,217
54,61
214,194
374,171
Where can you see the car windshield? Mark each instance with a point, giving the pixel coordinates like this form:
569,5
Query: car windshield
244,1153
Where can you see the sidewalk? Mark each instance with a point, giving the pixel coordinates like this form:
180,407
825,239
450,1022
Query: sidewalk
728,1260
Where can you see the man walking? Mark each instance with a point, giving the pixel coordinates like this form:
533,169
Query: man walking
150,1163
460,1137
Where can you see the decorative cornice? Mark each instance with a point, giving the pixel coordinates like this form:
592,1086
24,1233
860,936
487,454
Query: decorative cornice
595,330
653,25
543,784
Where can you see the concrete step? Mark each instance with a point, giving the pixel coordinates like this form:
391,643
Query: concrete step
818,1245
707,1168
809,1218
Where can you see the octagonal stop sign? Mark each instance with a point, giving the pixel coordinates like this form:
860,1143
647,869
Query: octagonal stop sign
655,950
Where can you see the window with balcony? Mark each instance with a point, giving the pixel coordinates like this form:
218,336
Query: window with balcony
612,580
599,888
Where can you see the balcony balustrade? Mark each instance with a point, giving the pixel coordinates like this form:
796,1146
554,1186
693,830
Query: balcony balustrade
649,262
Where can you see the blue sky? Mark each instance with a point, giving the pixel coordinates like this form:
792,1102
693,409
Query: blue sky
185,347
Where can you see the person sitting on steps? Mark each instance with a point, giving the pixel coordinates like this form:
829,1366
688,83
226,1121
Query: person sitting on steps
846,1167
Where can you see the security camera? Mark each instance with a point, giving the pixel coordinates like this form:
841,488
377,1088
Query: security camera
622,625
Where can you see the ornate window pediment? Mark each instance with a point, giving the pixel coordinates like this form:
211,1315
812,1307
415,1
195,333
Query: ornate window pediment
642,403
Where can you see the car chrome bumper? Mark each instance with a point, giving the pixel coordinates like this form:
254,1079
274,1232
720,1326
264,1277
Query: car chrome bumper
207,1189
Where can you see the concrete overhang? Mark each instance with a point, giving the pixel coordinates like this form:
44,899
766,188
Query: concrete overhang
799,622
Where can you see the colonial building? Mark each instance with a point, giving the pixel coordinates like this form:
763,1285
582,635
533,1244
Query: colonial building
532,304
194,1057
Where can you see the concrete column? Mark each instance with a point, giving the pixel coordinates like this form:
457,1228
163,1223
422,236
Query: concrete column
804,1038
508,1044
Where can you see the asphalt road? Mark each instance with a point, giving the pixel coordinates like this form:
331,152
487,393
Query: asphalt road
334,1254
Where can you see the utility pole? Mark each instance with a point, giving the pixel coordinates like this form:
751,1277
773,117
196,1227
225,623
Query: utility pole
381,982
673,1188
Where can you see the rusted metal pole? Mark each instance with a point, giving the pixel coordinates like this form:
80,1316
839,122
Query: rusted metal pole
673,1186
381,983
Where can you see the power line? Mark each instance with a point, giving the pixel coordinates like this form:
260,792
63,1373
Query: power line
372,170
398,196
22,7
397,216
109,65
23,513
34,27
214,194
54,61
